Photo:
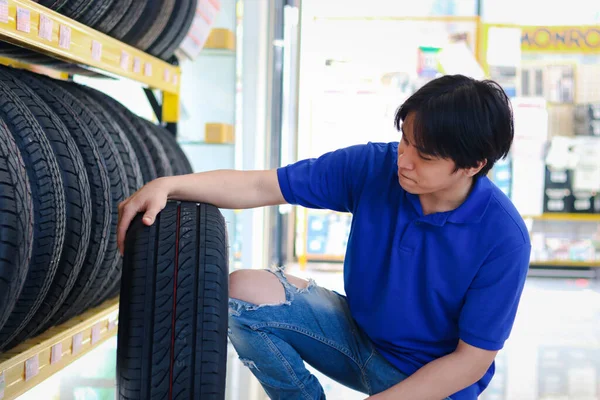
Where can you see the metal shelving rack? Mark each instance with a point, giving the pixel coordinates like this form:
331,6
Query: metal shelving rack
32,26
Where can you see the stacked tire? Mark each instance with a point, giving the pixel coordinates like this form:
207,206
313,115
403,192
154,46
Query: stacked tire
68,156
156,27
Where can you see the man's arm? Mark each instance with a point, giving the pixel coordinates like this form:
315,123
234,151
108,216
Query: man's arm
442,377
223,188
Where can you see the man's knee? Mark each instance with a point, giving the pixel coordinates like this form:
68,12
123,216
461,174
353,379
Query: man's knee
260,286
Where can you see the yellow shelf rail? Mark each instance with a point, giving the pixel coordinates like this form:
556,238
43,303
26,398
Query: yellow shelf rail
576,217
565,263
35,360
28,24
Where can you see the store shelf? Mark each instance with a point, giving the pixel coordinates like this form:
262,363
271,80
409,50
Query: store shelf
565,217
565,263
33,26
37,359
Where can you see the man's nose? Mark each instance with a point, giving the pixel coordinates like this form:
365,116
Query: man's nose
405,161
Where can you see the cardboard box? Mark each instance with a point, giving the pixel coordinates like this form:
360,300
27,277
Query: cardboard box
220,38
219,133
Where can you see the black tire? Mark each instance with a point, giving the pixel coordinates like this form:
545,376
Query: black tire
165,47
96,12
88,285
168,34
122,143
55,5
123,118
173,311
155,147
16,219
48,204
177,164
151,24
99,183
112,17
77,205
167,137
131,17
75,9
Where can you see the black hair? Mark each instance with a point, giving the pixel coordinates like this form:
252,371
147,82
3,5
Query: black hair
462,119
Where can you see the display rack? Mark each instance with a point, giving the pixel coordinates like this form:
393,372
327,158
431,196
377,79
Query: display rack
30,25
323,236
35,360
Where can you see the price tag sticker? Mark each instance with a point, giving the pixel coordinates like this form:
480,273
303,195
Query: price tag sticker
32,367
56,354
23,20
96,50
96,333
148,69
77,343
112,323
46,26
2,385
167,75
124,60
137,65
64,37
4,19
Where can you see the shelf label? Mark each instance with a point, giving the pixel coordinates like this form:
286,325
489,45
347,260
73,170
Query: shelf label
64,37
96,50
167,75
137,65
56,354
124,60
32,367
3,19
112,323
46,26
96,333
148,69
23,20
77,343
2,385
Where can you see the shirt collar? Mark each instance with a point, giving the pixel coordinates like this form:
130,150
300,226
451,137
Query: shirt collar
470,211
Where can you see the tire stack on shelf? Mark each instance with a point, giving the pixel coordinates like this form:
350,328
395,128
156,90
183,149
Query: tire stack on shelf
156,27
68,156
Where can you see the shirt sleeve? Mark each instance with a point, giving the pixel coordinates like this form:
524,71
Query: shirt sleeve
489,311
333,181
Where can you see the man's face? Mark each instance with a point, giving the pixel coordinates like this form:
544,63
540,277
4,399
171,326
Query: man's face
421,173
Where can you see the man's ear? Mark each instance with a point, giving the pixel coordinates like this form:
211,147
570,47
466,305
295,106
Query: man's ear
474,171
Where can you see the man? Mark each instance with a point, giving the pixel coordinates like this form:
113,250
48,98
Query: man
435,265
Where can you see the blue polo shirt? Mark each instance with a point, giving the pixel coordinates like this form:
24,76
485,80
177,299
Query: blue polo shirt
416,283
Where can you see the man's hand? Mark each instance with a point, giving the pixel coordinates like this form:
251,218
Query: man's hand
151,199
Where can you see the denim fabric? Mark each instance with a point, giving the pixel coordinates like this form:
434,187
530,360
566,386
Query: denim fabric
313,325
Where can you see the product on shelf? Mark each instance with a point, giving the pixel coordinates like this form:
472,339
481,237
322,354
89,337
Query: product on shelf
47,192
80,164
16,214
174,306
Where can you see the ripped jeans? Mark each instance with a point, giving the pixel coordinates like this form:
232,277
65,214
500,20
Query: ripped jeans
312,325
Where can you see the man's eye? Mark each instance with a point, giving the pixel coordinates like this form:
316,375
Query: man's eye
424,158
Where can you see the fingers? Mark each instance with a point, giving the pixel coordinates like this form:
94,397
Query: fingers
126,215
150,215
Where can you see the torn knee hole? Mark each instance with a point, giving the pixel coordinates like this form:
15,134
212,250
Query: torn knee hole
249,363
